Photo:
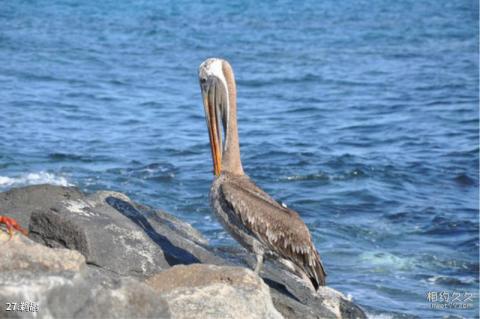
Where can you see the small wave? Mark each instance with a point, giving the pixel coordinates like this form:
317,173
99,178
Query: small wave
33,179
64,156
155,172
379,316
464,180
385,260
356,173
77,158
451,281
442,226
318,176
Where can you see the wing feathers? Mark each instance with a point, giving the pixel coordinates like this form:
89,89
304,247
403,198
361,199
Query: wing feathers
275,226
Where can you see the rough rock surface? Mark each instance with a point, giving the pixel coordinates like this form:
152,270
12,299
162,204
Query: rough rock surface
214,292
41,282
291,296
116,234
93,253
21,202
20,253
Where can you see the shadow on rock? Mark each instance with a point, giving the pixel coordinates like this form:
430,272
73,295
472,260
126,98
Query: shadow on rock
176,255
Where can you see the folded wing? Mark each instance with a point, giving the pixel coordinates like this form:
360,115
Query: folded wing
277,227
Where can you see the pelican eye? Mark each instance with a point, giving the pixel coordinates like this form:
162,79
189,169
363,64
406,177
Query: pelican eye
203,80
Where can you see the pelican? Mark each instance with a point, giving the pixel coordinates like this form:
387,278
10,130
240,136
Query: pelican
253,218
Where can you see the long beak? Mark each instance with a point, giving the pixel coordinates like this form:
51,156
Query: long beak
211,109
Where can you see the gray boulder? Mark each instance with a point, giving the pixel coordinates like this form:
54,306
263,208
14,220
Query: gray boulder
21,202
115,234
210,291
20,253
41,282
291,296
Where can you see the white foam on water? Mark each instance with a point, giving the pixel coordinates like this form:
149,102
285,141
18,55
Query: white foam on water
385,260
33,179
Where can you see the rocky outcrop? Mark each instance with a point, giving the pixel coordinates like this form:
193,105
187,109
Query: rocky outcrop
21,202
210,291
292,297
41,282
22,254
115,234
103,255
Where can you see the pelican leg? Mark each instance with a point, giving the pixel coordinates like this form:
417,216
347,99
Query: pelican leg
258,266
259,251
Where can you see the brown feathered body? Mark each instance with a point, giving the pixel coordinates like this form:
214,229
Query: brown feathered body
263,226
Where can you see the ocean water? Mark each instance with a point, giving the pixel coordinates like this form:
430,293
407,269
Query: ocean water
361,115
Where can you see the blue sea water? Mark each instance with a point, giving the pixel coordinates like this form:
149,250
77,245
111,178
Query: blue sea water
361,115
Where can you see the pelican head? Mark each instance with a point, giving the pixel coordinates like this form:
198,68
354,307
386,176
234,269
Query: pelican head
218,92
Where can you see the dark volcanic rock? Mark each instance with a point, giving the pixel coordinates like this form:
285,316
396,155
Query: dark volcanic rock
295,300
121,242
118,235
21,202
